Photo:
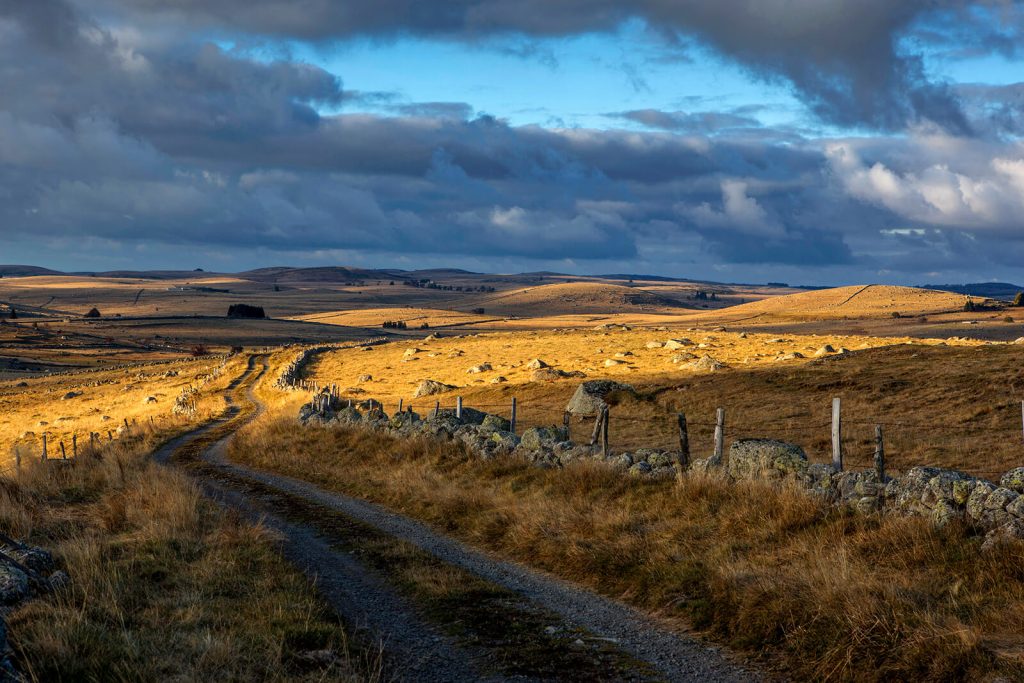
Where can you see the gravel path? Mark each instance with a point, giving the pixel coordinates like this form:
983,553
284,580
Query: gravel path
349,588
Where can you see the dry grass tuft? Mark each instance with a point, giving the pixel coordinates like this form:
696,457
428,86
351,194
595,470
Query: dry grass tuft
165,585
819,593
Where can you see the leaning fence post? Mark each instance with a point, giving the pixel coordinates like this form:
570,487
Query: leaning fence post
458,408
837,433
879,455
719,436
597,428
44,446
604,432
400,404
512,428
63,453
684,443
74,445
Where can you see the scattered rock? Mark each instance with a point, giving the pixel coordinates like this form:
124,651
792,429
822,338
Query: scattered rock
676,344
430,387
612,362
789,356
410,352
707,364
591,397
149,399
654,345
536,364
70,395
1013,480
364,378
476,369
499,380
682,357
824,350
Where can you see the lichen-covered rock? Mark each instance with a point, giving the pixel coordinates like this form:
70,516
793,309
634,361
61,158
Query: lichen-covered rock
430,387
496,423
707,364
639,469
503,441
659,459
754,458
821,479
539,438
1016,508
590,396
976,510
404,420
14,584
348,416
1013,480
470,416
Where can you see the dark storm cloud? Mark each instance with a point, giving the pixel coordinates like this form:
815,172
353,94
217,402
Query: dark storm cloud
855,62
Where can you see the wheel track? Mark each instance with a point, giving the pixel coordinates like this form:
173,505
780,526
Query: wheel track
420,650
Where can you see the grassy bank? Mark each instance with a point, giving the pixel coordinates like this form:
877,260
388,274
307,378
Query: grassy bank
818,593
164,585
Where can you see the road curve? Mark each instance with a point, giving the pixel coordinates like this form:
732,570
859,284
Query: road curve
361,599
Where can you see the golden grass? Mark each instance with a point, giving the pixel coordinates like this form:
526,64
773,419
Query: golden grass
818,593
106,398
164,584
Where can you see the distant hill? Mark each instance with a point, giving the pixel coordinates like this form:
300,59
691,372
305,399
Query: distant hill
991,290
320,274
26,271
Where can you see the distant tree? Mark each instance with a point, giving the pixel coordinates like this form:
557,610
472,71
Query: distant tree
969,305
199,350
277,288
246,311
93,313
1019,299
14,314
478,311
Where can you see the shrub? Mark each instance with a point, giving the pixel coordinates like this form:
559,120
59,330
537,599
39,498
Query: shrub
199,350
93,313
1019,299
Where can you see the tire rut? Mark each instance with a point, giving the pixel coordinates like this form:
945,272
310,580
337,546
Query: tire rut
365,601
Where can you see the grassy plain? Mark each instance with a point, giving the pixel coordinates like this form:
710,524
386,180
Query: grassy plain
816,593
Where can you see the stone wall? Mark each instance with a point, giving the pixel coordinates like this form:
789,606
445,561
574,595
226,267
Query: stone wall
938,494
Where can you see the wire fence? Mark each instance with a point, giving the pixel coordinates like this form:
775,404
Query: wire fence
907,443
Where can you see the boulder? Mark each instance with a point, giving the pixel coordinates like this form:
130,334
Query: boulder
500,379
676,344
538,438
1013,480
550,374
707,364
430,387
767,458
824,350
70,395
495,423
477,369
654,345
590,396
536,364
14,584
364,378
612,362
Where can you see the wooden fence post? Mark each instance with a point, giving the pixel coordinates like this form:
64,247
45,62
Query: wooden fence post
684,443
1022,419
74,445
437,409
44,446
458,408
879,455
837,435
110,435
719,436
597,429
400,404
513,420
604,432
565,426
63,453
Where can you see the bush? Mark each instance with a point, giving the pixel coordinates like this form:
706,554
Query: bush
93,313
246,311
199,350
1019,299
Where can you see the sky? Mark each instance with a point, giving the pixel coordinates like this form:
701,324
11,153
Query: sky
818,142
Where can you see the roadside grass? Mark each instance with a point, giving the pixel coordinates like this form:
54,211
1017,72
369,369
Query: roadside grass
164,584
813,591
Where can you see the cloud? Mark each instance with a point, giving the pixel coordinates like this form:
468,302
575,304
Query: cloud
854,62
132,139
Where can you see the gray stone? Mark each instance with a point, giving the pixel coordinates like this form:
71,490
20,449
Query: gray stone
754,458
14,584
538,438
1013,480
430,387
590,397
496,423
640,468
